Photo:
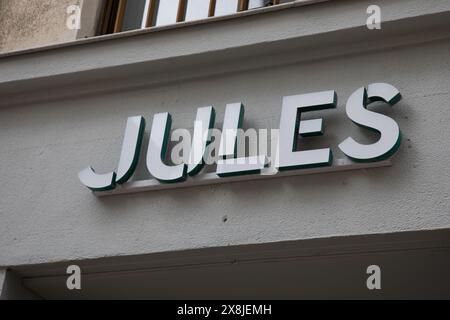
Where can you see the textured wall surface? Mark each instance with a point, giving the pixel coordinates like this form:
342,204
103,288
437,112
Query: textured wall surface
46,215
33,23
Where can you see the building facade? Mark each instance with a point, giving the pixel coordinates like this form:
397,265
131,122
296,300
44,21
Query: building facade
66,96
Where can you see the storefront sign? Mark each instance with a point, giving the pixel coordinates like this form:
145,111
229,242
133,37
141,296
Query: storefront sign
230,166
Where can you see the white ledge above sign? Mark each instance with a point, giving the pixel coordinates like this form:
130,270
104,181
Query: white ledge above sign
231,165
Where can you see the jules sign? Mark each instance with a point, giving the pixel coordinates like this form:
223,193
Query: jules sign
230,158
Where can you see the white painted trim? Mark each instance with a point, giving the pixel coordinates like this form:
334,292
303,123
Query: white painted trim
2,280
91,11
145,15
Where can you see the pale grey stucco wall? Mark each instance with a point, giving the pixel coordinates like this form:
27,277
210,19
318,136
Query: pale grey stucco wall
34,23
46,215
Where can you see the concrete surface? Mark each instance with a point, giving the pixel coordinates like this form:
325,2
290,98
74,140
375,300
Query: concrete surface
34,23
414,265
47,216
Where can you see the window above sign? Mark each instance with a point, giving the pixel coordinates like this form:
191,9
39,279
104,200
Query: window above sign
126,15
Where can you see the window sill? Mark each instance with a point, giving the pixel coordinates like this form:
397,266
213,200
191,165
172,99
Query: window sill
179,25
146,58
